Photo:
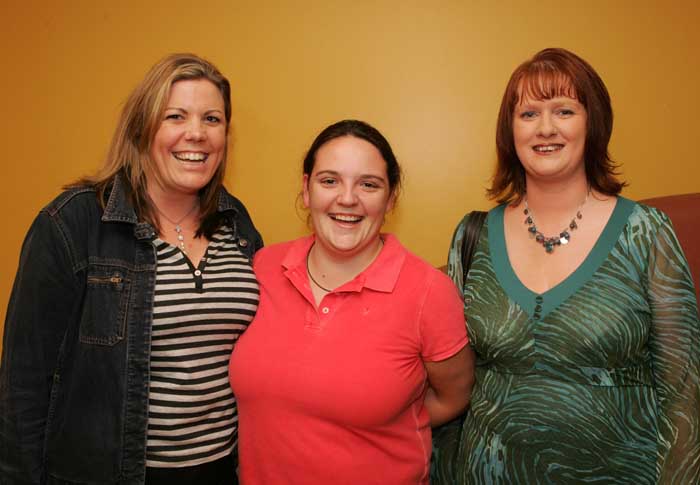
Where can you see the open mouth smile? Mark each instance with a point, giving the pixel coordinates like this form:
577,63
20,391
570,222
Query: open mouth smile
346,218
554,147
191,156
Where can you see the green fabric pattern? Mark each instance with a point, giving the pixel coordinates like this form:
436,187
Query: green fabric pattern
594,381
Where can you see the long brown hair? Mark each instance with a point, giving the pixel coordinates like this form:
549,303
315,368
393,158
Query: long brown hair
129,150
550,73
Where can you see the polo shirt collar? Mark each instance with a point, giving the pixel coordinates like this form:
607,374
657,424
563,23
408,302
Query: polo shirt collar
381,275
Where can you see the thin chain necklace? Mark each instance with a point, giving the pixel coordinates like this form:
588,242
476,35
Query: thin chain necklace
308,270
178,227
550,242
311,277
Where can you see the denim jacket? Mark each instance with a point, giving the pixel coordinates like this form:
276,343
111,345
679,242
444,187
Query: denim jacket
75,365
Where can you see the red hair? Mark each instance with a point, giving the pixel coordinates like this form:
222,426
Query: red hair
552,73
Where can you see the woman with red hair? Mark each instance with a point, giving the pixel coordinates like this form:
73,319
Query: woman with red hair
580,306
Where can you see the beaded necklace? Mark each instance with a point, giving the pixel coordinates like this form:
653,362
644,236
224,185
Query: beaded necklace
550,242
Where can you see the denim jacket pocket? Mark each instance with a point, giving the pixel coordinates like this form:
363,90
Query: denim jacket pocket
105,305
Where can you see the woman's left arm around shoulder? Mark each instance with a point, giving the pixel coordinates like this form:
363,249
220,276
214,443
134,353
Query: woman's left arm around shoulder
674,345
450,385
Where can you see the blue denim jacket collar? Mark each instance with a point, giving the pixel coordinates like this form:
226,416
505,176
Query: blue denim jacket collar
119,209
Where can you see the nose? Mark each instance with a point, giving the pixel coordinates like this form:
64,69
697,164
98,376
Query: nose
547,127
347,196
195,131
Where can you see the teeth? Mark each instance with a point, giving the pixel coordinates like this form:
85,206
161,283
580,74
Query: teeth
346,218
547,148
190,156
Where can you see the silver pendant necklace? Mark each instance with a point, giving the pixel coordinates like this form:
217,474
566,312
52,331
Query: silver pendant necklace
178,227
550,242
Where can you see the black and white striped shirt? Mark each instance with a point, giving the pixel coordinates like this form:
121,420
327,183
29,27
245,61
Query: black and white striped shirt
198,314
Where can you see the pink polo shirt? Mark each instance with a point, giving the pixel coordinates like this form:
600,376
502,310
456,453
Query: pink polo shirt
334,394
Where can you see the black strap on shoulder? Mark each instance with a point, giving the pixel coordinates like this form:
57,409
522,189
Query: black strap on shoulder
472,229
447,438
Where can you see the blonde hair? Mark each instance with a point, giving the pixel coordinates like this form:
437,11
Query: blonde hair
129,150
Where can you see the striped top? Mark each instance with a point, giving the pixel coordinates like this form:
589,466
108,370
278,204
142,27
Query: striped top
198,314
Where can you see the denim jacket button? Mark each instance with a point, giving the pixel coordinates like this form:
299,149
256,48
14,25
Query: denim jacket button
243,242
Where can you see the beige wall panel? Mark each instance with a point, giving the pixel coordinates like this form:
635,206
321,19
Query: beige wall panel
428,74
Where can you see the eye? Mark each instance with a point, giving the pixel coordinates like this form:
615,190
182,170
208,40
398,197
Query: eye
566,112
368,185
213,119
328,181
527,115
174,116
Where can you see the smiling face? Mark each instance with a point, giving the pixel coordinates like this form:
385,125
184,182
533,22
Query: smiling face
191,140
550,137
348,195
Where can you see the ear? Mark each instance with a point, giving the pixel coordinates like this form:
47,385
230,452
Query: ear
305,191
390,202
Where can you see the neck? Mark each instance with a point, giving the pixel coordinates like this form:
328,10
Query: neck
174,206
554,204
332,269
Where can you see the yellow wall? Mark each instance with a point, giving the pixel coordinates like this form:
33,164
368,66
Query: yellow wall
429,74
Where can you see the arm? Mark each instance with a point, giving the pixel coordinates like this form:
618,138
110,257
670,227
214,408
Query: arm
675,351
450,385
447,438
448,360
43,295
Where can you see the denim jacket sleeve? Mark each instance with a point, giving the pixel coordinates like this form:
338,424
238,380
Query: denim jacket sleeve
44,298
248,230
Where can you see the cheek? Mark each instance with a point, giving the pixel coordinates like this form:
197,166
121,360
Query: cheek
379,207
163,141
521,132
219,139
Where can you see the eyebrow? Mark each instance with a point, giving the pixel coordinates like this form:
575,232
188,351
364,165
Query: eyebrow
212,110
362,176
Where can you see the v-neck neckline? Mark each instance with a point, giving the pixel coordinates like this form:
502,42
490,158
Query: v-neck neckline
549,300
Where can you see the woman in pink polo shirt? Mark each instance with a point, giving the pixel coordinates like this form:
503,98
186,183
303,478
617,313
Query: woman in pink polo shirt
358,346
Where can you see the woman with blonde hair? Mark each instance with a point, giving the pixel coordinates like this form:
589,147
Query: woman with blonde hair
132,288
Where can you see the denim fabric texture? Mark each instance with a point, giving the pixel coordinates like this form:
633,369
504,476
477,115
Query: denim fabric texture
74,373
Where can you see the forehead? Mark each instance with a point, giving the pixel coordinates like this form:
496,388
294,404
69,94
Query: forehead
350,154
195,90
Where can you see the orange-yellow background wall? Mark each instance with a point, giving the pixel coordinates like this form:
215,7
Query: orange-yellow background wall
428,74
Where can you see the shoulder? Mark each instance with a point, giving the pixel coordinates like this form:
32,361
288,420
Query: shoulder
420,271
474,218
646,220
649,215
237,211
66,218
73,212
72,200
279,253
229,202
473,215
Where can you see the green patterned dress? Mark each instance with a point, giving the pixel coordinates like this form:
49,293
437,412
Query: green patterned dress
594,381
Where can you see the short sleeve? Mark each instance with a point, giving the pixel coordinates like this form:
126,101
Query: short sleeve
442,326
